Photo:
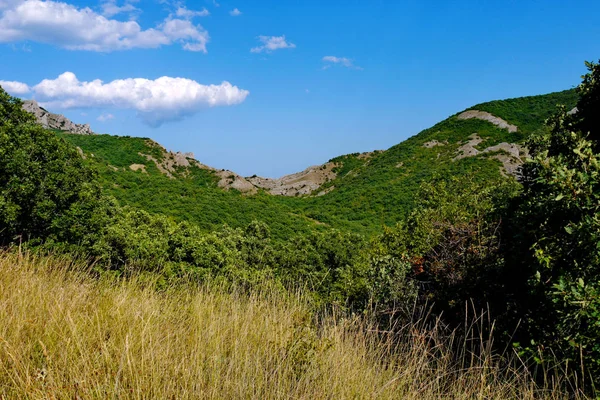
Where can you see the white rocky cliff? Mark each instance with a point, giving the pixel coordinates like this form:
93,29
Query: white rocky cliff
55,121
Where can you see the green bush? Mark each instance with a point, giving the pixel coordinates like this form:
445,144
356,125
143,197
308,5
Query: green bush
554,249
46,191
450,244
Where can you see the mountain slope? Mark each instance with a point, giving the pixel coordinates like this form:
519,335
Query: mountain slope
382,189
356,192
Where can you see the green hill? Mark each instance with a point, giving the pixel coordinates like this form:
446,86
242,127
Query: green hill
369,190
381,190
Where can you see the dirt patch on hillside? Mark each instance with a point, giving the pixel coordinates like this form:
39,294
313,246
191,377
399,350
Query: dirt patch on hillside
486,116
325,191
138,167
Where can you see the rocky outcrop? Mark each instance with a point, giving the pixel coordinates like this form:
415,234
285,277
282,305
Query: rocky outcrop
55,121
432,143
511,155
138,167
170,161
308,181
231,180
486,116
300,183
468,149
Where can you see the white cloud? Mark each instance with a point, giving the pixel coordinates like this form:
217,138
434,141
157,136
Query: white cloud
235,12
15,88
73,28
271,43
189,14
156,101
105,117
110,8
346,62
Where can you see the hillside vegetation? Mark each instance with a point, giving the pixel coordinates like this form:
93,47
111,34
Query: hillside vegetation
382,190
367,194
190,193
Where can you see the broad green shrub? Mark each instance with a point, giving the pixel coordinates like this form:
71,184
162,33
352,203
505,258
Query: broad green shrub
11,110
554,250
46,191
587,118
449,245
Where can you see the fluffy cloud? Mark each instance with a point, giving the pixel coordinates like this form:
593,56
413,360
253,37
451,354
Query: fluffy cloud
271,43
73,28
156,101
15,88
346,62
235,12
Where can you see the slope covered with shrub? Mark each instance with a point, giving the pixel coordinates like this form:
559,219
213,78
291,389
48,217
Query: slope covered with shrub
369,192
188,194
382,191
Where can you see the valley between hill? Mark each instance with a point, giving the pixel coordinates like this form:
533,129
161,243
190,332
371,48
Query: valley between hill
358,193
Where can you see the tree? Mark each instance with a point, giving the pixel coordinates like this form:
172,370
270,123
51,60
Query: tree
451,241
11,110
553,256
587,118
46,190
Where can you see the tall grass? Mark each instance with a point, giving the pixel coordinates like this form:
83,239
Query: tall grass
65,335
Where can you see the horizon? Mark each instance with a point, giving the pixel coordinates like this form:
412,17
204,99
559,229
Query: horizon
271,89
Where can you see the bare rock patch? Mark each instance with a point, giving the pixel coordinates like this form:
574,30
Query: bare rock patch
486,116
55,121
433,143
300,183
511,155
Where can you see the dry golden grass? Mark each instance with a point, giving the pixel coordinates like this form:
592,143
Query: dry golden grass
64,335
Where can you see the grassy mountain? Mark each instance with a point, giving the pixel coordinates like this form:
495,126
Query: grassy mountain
367,192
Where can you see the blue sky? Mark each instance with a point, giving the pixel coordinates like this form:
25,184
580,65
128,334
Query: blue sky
279,85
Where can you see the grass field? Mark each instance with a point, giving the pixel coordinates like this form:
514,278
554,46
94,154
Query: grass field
67,335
